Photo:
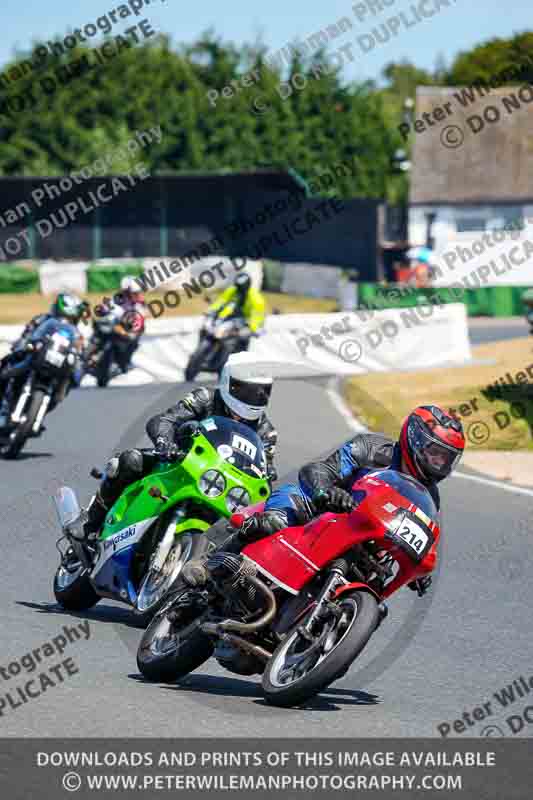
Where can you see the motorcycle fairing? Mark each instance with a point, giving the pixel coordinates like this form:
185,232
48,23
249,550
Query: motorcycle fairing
111,572
294,555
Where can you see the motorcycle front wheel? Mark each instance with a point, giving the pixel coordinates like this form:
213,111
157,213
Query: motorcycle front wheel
103,367
72,587
302,666
156,586
18,437
171,648
197,360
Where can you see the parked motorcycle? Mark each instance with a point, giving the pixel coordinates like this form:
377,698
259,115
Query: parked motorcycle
156,525
219,338
298,607
115,337
36,379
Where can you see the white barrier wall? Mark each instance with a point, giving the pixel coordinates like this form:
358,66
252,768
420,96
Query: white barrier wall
70,276
57,277
327,344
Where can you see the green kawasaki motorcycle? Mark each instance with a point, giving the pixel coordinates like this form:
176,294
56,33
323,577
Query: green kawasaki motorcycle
156,525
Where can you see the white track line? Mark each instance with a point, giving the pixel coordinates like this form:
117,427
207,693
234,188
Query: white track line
338,402
507,487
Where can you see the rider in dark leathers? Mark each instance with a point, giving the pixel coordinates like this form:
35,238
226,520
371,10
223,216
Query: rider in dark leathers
164,431
430,446
66,306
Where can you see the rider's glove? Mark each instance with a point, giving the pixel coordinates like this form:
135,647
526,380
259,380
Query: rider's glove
165,449
263,523
337,500
421,585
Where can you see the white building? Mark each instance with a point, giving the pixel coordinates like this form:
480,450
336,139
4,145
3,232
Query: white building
472,177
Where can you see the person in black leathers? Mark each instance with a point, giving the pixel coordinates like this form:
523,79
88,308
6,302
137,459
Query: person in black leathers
66,306
241,398
430,446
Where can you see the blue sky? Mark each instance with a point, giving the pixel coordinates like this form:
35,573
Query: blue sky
457,27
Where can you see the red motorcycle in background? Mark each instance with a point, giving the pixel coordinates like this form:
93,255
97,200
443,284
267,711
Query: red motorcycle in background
299,606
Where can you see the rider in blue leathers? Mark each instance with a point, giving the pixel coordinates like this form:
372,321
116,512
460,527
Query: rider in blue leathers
430,445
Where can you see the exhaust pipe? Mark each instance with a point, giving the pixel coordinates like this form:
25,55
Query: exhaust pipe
247,647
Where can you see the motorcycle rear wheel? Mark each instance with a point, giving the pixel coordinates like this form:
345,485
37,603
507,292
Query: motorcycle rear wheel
299,670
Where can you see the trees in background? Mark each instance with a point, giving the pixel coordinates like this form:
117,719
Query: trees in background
307,118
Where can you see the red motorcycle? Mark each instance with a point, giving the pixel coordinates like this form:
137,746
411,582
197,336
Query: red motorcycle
299,606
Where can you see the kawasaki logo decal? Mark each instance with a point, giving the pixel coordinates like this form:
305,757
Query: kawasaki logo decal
112,542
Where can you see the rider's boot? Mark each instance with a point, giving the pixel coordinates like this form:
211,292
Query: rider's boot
96,514
195,573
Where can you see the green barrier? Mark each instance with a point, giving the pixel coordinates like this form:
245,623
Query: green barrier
107,279
14,280
487,301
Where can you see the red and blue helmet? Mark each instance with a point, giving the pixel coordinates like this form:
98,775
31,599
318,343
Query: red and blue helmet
432,443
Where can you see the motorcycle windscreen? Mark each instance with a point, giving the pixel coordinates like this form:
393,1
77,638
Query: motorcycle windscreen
67,506
237,444
404,485
293,556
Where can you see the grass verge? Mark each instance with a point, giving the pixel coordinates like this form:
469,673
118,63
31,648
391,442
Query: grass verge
19,308
501,419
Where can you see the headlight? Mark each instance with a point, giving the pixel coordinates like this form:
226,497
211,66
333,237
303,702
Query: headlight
237,498
212,483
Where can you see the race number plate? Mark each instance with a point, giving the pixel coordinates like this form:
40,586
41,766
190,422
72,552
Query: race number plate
244,446
411,534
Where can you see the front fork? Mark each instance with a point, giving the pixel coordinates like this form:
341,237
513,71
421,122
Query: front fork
323,605
24,396
166,543
36,427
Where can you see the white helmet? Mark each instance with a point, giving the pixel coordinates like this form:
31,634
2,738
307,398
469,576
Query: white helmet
129,284
245,386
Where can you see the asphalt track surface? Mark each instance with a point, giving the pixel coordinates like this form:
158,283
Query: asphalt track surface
446,653
484,331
